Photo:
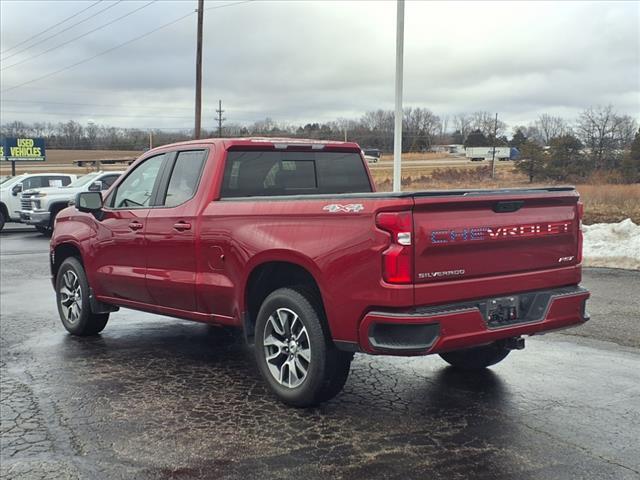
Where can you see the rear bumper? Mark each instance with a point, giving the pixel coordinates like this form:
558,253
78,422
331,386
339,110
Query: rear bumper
462,325
35,217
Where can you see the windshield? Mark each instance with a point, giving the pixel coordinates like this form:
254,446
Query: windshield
8,181
82,181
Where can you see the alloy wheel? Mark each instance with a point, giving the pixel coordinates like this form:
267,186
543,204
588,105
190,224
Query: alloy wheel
286,347
71,297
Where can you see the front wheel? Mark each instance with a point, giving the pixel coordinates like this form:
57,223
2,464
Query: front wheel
293,350
2,220
476,358
72,296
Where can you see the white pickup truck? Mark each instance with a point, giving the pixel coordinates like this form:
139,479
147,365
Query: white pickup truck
40,206
11,188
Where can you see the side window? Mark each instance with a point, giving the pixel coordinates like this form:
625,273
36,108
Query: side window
56,181
32,182
135,191
108,180
270,173
185,177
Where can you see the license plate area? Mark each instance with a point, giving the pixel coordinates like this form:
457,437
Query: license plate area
502,312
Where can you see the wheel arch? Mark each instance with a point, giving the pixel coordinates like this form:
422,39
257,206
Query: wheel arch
268,276
58,206
61,252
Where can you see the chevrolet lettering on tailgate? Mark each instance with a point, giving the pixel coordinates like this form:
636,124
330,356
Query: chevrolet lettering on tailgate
498,233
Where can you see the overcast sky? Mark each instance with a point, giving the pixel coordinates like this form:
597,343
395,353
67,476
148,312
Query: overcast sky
316,61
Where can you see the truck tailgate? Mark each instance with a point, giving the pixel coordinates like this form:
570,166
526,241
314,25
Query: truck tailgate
483,235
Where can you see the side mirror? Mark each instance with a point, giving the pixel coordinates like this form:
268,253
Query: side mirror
95,186
16,189
89,202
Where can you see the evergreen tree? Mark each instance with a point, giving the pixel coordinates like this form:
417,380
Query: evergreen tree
566,160
532,160
476,139
630,167
518,139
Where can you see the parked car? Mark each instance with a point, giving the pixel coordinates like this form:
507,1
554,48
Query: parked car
371,155
40,206
288,240
11,188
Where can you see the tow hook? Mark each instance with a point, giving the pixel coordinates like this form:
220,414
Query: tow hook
515,343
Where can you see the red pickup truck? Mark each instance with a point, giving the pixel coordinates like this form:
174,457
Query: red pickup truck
288,240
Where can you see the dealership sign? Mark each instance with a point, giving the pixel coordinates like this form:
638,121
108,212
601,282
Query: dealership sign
22,149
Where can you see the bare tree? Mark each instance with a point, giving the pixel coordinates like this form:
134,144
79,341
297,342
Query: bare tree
420,127
550,127
605,134
485,122
462,123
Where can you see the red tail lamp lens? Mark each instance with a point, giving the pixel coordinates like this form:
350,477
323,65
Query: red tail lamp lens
397,260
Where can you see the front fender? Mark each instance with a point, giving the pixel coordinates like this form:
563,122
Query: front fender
78,230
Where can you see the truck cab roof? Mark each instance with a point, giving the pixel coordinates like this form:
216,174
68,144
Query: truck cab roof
267,142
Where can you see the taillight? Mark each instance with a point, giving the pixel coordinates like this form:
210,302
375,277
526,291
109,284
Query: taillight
580,239
397,260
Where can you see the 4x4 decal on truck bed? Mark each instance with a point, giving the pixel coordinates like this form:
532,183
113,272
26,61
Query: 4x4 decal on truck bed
349,208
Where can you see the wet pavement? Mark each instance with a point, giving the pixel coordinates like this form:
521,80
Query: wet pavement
158,398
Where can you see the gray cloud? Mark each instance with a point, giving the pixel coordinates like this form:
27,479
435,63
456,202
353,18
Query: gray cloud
304,61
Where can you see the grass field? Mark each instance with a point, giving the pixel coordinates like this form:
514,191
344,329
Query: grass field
610,203
62,161
603,202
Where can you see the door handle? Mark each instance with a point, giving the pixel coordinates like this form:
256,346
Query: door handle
182,226
135,226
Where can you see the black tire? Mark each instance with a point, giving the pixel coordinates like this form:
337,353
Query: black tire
476,358
328,368
2,220
43,230
83,322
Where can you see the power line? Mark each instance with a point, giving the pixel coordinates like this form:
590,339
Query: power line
228,5
62,31
79,36
68,67
51,27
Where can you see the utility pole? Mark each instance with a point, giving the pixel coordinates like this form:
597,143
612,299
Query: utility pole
220,111
397,137
493,156
196,132
150,139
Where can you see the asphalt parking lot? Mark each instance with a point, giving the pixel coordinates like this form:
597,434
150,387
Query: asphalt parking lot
157,398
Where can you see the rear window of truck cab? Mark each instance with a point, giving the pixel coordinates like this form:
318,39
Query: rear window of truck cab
272,173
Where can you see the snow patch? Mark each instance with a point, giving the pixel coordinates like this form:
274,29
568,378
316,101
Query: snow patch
615,245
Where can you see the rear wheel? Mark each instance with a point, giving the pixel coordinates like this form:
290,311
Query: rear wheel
72,296
294,352
43,230
476,358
